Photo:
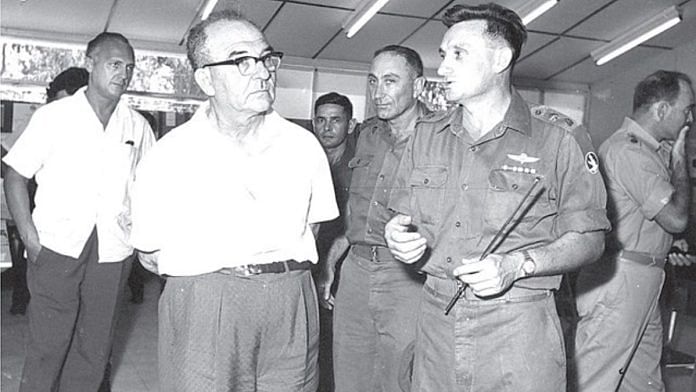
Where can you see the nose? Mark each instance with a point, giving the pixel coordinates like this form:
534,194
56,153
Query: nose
264,73
444,68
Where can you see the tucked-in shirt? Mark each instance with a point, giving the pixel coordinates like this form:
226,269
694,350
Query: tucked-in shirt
83,172
460,191
377,157
206,203
636,170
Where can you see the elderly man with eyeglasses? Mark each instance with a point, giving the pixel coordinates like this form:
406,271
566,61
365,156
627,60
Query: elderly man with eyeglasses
226,207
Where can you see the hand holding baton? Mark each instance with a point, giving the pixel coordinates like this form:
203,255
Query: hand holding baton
493,245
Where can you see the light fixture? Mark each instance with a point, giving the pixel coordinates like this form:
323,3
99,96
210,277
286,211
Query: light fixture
365,11
636,35
209,6
534,8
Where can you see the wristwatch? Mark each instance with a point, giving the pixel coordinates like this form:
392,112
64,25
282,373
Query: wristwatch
528,265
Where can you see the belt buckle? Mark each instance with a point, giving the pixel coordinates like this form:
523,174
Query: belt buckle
248,270
373,251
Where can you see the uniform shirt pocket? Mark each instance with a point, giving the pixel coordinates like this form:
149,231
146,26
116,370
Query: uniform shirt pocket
428,185
360,170
506,189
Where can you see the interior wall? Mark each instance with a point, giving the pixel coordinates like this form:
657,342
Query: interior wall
611,99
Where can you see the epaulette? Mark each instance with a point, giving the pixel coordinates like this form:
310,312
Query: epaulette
551,116
437,116
579,133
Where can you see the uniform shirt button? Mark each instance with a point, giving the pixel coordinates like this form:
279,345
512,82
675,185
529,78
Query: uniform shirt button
458,224
473,148
381,176
369,231
465,187
426,181
374,203
449,259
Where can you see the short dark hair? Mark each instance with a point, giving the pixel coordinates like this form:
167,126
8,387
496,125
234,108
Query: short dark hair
658,86
412,57
501,22
335,99
197,36
69,80
101,38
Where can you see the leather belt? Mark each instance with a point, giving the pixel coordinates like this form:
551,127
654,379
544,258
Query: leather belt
373,253
643,258
277,267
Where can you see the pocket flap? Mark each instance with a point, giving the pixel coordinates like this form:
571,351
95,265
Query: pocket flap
430,177
361,161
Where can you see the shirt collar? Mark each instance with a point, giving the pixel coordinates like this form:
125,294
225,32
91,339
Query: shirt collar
639,132
517,117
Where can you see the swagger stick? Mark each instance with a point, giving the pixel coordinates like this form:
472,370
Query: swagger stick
493,245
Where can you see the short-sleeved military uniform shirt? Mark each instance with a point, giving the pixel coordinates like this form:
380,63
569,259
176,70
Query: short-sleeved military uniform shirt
377,156
461,191
636,170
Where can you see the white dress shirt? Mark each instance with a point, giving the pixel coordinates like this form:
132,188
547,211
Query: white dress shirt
83,172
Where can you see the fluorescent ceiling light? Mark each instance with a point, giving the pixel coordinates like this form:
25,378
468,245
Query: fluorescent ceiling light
636,35
208,9
534,8
362,15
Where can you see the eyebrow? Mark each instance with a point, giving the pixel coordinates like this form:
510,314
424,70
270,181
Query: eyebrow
240,52
391,74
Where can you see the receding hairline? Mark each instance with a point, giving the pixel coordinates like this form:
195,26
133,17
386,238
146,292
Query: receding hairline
412,71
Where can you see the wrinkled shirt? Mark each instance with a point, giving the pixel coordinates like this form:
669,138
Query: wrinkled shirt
84,173
460,191
207,203
377,157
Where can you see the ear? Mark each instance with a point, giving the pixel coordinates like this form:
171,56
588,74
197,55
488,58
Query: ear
351,125
204,80
503,59
660,110
418,86
89,64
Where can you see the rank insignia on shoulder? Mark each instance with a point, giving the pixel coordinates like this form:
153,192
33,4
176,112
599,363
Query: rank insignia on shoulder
592,162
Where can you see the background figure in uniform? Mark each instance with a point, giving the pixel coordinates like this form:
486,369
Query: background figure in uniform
83,150
225,206
333,124
619,333
63,85
373,317
462,176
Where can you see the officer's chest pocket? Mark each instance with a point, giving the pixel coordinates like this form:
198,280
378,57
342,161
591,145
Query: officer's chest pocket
428,185
360,170
506,189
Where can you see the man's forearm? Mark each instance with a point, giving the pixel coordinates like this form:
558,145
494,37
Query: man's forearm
570,252
18,203
338,248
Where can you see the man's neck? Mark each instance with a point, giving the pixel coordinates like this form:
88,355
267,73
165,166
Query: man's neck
242,127
403,125
482,113
335,154
103,107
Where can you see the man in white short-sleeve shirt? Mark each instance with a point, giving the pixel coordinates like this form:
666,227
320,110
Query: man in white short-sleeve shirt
83,151
225,206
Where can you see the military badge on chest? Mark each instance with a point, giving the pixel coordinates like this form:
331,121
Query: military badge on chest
522,163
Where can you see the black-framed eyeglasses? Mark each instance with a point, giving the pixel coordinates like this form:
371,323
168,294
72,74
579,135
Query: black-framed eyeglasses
247,64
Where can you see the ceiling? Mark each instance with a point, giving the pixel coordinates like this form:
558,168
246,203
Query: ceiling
557,50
